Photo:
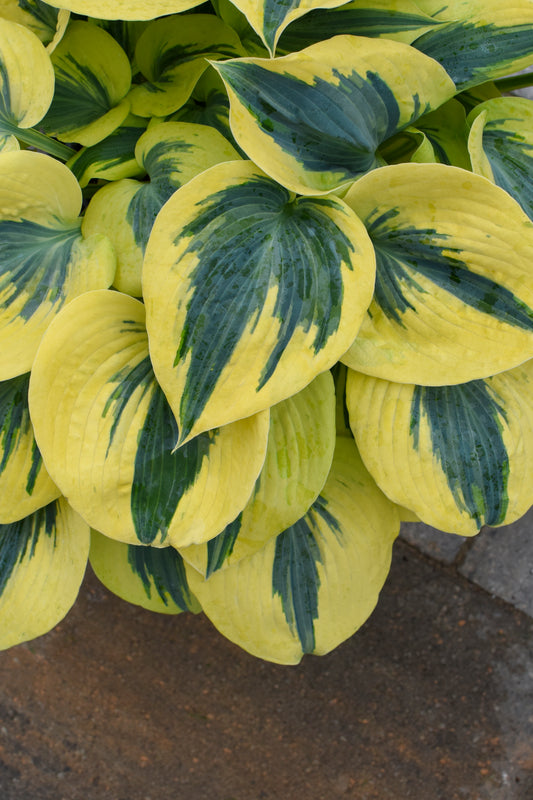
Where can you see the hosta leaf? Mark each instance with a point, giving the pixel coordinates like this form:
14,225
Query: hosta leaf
501,146
92,78
151,577
300,448
270,17
459,456
44,260
25,484
26,78
481,40
446,131
126,9
453,299
401,20
171,54
249,293
107,433
208,105
313,120
46,22
42,564
312,586
171,153
111,159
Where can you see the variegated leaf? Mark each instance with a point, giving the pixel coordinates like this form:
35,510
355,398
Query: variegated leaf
111,159
400,20
151,577
313,120
300,448
459,456
108,436
171,153
25,484
480,40
92,78
501,146
44,260
126,9
171,54
250,293
453,300
46,22
312,586
42,564
270,17
447,133
26,80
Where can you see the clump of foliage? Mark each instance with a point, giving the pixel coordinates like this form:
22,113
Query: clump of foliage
266,289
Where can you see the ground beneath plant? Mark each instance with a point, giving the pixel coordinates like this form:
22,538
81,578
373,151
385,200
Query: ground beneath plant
431,700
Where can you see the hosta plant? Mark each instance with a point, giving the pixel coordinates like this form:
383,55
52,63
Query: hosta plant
266,289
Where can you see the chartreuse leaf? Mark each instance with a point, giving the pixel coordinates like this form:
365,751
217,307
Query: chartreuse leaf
311,587
107,433
501,146
26,87
46,22
151,577
481,40
313,120
300,448
171,54
42,564
446,131
459,456
453,300
111,159
92,78
25,484
171,153
250,293
45,262
126,9
270,17
400,20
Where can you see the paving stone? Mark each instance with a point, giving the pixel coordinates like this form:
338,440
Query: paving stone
501,561
441,546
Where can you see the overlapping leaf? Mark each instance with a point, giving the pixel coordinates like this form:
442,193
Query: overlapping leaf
25,485
312,586
400,20
171,153
459,456
107,434
300,448
46,22
42,564
501,146
92,78
171,54
313,120
481,40
453,300
151,577
44,260
270,17
249,293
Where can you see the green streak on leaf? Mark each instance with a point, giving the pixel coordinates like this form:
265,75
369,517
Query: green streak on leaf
402,250
79,97
164,566
221,547
35,262
466,423
248,239
162,477
128,380
116,149
19,539
15,423
511,160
